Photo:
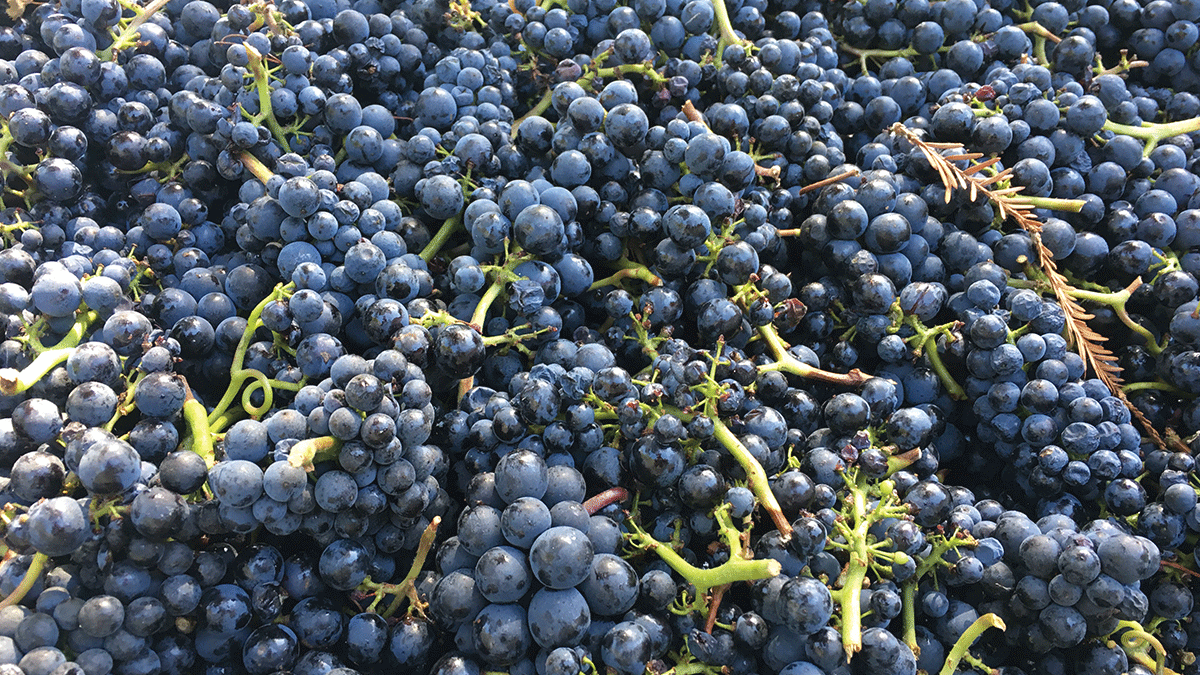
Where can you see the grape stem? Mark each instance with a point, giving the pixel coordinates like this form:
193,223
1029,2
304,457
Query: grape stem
197,421
725,30
127,37
968,638
36,565
757,476
262,84
855,532
908,596
255,167
924,342
407,588
1038,35
13,381
760,485
238,375
309,451
448,228
736,569
863,54
1153,133
785,362
1116,300
627,269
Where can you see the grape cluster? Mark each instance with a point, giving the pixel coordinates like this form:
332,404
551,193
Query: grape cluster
577,336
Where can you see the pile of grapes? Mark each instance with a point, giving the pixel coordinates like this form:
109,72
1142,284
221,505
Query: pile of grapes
599,337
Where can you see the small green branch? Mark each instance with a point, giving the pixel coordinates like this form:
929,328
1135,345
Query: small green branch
255,167
1156,385
627,269
36,565
785,362
262,84
128,36
863,54
731,571
197,420
448,228
13,381
407,588
1153,133
725,29
760,485
968,638
1052,203
538,108
908,596
309,451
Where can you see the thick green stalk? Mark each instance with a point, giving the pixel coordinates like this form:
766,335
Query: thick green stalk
36,565
733,570
968,638
760,485
485,303
407,587
197,420
1053,203
1153,133
14,381
787,363
627,270
443,235
262,84
308,452
908,595
953,388
849,596
127,35
538,108
725,27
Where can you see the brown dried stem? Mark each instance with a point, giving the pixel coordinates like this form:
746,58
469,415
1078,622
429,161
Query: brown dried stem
1011,205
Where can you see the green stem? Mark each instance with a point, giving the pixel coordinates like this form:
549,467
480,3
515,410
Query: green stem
255,167
863,54
197,420
127,35
1153,133
1054,204
407,587
646,70
443,235
908,595
1156,385
787,363
262,84
733,570
485,303
968,638
725,28
760,485
308,452
849,596
628,270
930,349
538,108
13,381
36,565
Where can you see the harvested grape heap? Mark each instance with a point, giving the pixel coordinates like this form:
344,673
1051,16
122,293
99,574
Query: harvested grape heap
599,337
